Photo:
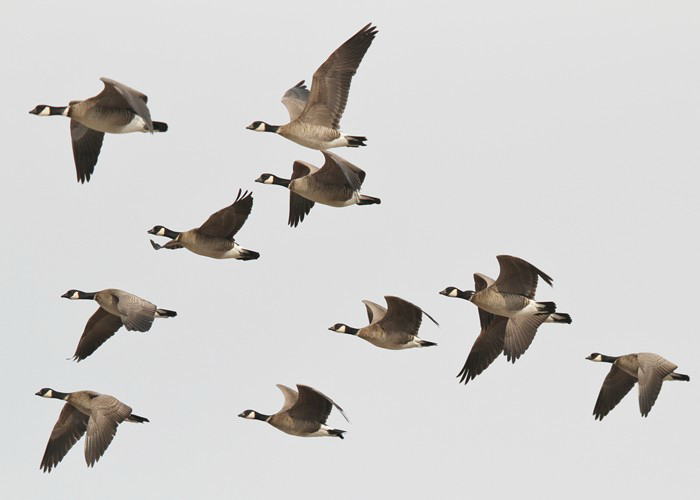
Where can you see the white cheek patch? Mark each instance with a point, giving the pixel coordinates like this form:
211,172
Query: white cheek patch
45,112
341,329
269,180
76,295
161,232
453,292
260,128
251,415
598,358
49,394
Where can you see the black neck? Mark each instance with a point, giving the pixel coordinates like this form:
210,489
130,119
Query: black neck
261,416
58,394
86,295
462,294
56,110
281,182
170,234
350,330
608,359
271,128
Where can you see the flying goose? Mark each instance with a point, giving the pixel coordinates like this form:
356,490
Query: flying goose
512,295
336,184
214,238
118,109
393,327
84,411
315,116
304,413
648,369
498,333
117,308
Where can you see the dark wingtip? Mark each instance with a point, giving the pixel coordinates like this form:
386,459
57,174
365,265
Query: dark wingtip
160,127
155,245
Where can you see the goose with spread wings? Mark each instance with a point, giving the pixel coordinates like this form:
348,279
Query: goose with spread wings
392,327
304,413
647,369
512,295
118,109
85,412
214,238
496,333
336,184
117,308
315,115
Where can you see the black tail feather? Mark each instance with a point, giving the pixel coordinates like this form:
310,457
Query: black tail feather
368,200
248,254
165,313
136,419
160,127
426,343
560,318
546,307
680,376
355,141
336,432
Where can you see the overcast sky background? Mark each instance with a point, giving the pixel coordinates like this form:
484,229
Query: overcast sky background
565,133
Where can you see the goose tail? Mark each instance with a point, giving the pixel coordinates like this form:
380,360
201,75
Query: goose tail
355,141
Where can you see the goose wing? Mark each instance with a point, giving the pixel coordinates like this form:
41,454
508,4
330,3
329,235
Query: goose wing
107,412
481,281
487,346
402,317
299,207
101,326
651,372
136,313
69,427
118,95
290,397
87,144
313,405
339,174
518,276
520,332
295,100
226,222
375,312
616,385
331,81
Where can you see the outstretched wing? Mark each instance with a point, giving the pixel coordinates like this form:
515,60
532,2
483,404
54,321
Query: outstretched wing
69,427
331,82
118,95
87,144
101,326
295,100
518,276
226,222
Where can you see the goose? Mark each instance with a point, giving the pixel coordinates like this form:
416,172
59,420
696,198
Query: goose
214,238
336,184
315,116
512,296
84,411
117,308
394,327
646,368
304,413
498,333
118,109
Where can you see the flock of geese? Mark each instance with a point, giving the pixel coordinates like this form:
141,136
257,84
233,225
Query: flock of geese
509,314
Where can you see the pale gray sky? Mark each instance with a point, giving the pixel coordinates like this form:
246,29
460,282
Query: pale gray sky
565,133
